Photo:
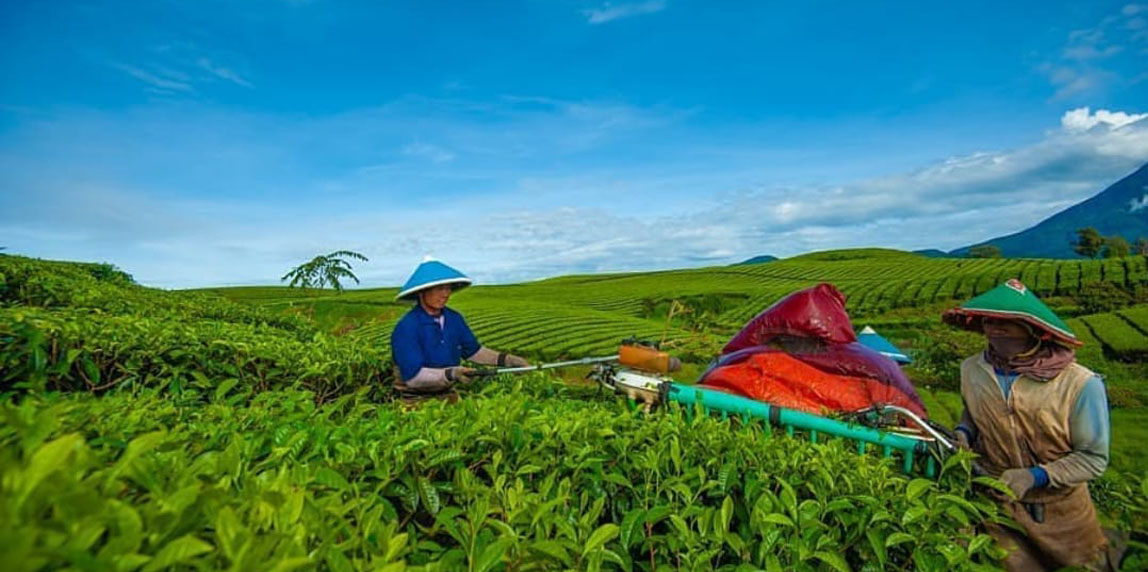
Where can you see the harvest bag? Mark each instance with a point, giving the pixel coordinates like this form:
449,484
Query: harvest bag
802,353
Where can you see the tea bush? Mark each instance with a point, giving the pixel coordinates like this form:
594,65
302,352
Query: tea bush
76,349
522,475
51,284
71,326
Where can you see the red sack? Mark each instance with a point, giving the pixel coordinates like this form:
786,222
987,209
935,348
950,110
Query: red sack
851,360
784,380
817,312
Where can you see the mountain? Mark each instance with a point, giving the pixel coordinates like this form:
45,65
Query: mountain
1120,209
933,253
757,260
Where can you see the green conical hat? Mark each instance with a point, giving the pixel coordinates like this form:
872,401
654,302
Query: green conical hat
1011,301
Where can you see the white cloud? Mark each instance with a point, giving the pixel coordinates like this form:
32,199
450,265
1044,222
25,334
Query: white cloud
1136,205
427,151
1090,52
223,72
609,12
512,203
180,68
1092,58
955,202
1082,119
161,80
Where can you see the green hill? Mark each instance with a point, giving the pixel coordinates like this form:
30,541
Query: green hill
248,427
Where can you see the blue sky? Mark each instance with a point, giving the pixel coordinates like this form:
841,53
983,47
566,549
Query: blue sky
208,143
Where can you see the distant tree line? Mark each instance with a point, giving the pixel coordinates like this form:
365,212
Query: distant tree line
1090,243
985,251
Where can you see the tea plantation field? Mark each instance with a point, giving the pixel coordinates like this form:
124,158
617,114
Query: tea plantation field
251,428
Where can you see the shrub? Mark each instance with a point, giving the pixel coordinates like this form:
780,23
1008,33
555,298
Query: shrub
49,284
86,350
938,353
520,475
1124,397
1099,297
985,251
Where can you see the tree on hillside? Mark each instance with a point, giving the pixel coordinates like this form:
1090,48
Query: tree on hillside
1088,242
1141,247
985,251
1115,247
325,270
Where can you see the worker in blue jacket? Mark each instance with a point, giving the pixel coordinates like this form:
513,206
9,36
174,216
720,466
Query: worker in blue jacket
430,341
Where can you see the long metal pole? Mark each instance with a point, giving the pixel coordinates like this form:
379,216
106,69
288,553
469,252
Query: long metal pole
583,361
922,424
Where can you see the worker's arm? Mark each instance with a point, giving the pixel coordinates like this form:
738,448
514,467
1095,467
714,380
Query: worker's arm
434,378
487,356
967,426
1091,431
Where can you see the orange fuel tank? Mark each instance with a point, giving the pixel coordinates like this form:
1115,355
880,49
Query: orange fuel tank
647,359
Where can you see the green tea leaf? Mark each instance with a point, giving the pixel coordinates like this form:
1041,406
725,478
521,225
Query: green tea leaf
429,496
726,513
554,550
979,543
289,564
331,478
914,514
898,538
178,551
48,458
917,487
777,518
600,537
631,523
228,531
876,540
833,559
492,554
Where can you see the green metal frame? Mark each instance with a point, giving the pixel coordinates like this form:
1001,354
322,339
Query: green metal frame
789,419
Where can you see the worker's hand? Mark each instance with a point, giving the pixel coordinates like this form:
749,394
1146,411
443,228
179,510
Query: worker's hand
515,361
459,373
1019,480
962,440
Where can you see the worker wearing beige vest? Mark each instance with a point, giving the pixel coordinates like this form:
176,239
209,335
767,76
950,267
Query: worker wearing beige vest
1039,422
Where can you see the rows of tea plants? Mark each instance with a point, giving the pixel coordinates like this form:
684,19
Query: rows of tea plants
879,282
81,350
65,328
519,475
541,330
96,287
1118,335
873,280
1137,316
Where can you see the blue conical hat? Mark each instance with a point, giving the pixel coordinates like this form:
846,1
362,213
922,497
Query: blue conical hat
869,338
429,274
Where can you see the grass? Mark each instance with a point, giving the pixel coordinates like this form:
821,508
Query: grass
1129,433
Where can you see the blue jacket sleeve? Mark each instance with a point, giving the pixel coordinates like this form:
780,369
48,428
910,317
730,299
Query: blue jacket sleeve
466,340
405,349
